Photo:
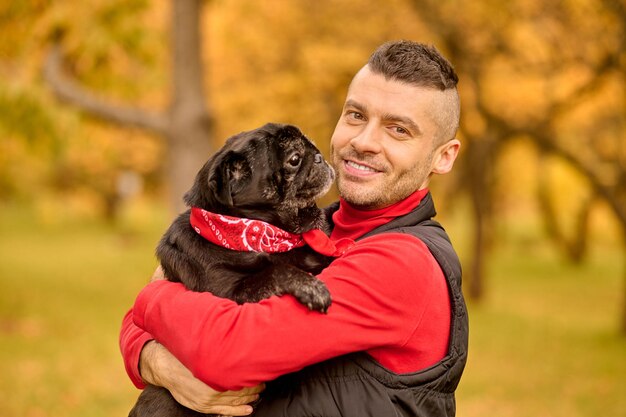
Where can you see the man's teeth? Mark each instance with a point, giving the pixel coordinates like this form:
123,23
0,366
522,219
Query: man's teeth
360,167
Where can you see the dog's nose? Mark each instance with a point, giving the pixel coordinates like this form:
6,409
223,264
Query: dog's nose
319,158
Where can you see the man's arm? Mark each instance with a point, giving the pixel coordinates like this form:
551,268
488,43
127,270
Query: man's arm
132,340
377,302
148,362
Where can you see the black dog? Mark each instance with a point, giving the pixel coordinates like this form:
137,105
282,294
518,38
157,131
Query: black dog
272,174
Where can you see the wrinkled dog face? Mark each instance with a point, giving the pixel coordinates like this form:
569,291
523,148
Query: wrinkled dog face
274,167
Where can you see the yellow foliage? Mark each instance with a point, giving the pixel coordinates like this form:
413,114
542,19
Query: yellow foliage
292,61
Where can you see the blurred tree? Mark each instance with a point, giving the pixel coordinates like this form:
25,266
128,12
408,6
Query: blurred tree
572,54
583,123
48,159
574,243
290,62
548,74
22,151
187,122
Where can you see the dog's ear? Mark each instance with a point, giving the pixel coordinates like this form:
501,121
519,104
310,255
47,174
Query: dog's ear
198,194
229,176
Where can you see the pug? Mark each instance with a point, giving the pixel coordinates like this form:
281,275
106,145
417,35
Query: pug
247,233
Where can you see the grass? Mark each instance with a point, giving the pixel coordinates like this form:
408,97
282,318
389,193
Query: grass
544,342
65,288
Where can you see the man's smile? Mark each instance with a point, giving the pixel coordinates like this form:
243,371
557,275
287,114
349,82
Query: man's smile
359,169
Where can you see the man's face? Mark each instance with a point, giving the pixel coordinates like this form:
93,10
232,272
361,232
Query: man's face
384,145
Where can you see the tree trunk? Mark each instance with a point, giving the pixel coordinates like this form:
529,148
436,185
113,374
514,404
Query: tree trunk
186,125
574,246
479,159
477,263
190,123
623,323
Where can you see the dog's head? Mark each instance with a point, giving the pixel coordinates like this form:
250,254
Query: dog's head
272,173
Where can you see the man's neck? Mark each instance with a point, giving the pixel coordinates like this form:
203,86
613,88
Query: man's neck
353,222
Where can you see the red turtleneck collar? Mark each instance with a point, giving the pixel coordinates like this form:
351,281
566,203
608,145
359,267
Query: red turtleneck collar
351,222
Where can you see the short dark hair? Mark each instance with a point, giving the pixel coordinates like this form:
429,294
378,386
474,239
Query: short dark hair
413,63
422,65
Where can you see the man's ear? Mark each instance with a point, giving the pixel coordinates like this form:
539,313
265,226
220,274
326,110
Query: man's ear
445,156
228,177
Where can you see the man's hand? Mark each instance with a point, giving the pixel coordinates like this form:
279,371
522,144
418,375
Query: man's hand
159,367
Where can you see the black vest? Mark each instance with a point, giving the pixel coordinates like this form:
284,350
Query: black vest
355,385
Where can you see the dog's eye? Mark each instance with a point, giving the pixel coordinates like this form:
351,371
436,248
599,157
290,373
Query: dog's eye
295,160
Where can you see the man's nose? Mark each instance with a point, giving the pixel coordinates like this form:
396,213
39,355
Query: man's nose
368,139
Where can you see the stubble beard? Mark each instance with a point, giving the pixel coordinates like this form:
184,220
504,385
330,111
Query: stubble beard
388,190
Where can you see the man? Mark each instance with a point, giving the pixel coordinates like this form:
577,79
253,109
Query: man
394,341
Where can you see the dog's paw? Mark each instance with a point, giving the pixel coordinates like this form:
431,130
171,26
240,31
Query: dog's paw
313,294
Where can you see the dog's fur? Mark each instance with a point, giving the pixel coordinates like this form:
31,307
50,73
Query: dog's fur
273,173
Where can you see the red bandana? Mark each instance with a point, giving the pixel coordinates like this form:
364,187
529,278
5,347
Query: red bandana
258,236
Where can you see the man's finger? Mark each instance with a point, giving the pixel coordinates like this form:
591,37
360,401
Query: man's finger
244,400
225,410
245,391
233,400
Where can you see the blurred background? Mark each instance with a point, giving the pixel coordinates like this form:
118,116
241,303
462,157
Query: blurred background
108,108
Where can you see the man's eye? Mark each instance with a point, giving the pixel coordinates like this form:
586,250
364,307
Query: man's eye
399,131
356,115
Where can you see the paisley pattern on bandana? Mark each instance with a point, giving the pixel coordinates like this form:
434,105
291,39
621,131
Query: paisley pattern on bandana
251,235
243,234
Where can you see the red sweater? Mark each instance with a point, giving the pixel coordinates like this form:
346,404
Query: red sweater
389,298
